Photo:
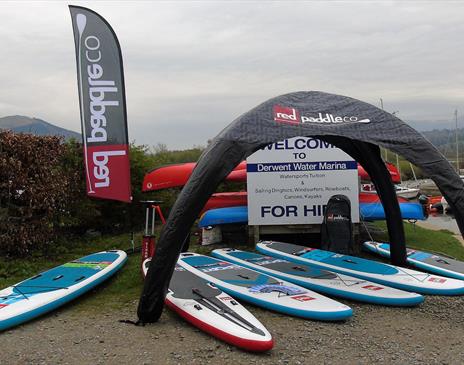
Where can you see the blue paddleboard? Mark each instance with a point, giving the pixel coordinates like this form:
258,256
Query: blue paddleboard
368,212
227,215
375,211
378,272
51,289
430,262
320,280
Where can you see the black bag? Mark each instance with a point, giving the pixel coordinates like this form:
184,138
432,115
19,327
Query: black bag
337,228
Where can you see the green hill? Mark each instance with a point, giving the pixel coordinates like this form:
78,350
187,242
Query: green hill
445,141
39,127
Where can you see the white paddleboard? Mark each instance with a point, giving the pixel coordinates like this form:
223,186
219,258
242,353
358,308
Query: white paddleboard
213,311
263,290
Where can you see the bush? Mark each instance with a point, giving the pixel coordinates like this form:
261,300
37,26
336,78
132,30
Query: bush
106,216
33,191
43,198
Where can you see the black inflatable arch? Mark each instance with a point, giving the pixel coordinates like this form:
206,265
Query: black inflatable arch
356,127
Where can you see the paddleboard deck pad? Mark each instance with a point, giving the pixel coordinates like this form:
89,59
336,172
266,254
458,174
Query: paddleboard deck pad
51,289
263,290
321,280
398,277
430,262
213,311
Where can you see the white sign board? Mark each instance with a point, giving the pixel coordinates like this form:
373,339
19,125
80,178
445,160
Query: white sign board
291,181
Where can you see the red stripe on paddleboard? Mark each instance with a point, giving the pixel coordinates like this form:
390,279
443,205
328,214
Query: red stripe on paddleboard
372,287
250,345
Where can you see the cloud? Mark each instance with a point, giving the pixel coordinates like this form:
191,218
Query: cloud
191,68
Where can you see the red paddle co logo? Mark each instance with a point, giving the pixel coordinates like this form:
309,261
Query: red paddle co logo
283,114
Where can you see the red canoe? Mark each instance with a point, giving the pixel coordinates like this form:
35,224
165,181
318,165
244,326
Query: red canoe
237,176
175,175
171,176
223,200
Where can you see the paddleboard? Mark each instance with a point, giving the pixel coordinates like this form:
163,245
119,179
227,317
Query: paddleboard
375,211
51,289
368,212
263,290
227,215
385,274
436,264
320,280
213,311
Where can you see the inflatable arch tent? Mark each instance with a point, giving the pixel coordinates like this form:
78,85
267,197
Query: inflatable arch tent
356,127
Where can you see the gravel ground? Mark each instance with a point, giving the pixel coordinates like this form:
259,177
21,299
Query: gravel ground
430,334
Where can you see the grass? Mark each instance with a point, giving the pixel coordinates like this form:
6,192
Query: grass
442,241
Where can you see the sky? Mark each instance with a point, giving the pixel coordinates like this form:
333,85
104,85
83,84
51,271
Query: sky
191,67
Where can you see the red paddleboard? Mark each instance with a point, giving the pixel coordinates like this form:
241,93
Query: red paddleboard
213,311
